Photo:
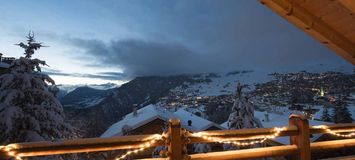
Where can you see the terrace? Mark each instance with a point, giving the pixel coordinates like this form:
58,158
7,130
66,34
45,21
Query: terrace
177,138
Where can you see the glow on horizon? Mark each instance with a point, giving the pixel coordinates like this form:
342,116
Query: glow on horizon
69,80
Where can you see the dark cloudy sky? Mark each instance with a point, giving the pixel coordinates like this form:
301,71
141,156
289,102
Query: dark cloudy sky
114,40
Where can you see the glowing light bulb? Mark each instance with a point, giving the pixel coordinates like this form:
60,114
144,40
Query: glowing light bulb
11,153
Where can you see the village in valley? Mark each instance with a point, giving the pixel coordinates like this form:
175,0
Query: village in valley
299,92
203,104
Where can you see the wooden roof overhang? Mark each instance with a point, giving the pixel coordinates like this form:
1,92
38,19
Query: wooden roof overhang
332,22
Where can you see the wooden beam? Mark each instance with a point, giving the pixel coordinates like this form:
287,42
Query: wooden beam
342,158
332,145
302,139
340,127
270,151
243,134
349,4
247,153
175,147
81,145
314,26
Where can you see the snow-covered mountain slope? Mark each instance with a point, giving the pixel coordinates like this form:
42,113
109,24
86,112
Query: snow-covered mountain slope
222,84
210,84
83,97
65,89
118,102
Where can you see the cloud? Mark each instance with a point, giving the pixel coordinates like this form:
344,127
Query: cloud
100,75
142,58
118,74
179,37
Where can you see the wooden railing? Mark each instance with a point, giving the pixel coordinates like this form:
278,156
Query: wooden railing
298,130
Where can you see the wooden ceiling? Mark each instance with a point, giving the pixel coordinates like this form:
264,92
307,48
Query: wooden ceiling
332,22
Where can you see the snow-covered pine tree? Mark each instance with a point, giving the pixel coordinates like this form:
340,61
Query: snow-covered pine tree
29,110
341,114
325,115
242,115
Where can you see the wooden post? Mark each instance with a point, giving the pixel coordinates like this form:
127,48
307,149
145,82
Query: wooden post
175,146
3,155
302,139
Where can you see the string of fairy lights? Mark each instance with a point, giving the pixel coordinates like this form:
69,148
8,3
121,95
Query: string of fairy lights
329,131
142,147
250,142
276,133
10,149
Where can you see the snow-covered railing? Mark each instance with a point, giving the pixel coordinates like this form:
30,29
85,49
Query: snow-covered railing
177,138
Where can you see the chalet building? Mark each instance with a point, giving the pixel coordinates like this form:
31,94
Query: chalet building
152,119
7,60
5,63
